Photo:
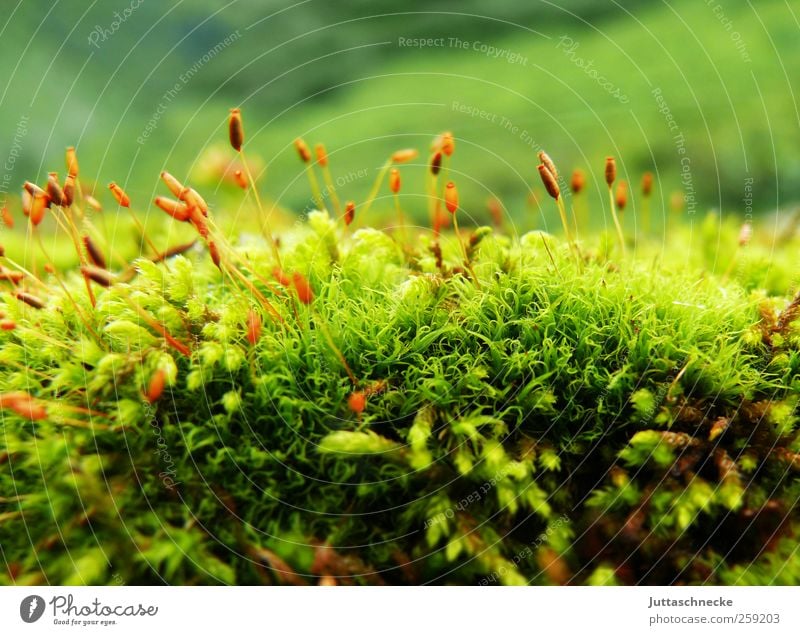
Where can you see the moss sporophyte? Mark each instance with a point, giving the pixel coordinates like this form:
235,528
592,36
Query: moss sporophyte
337,403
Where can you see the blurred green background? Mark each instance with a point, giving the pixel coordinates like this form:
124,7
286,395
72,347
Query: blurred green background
702,92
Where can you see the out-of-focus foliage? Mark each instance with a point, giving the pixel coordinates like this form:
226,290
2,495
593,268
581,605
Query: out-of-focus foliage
508,80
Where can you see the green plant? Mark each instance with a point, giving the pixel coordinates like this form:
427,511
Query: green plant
562,420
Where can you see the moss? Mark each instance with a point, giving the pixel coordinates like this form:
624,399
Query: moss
601,422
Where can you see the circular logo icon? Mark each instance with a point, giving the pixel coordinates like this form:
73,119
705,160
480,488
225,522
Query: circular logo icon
31,608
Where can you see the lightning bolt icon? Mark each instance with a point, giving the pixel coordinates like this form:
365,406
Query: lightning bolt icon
32,607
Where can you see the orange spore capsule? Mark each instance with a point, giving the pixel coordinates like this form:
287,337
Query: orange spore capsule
178,210
69,190
24,405
436,163
322,155
281,277
448,143
548,163
236,129
54,190
93,203
29,410
622,195
119,194
647,183
303,289
8,219
349,212
98,275
193,199
302,150
253,327
93,251
394,180
578,181
405,155
174,185
14,277
72,162
156,387
550,183
357,402
214,251
451,197
611,171
241,179
38,206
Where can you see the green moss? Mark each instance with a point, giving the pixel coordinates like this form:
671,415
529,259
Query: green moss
608,422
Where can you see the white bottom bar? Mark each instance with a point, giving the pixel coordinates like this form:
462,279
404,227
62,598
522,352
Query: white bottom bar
400,611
